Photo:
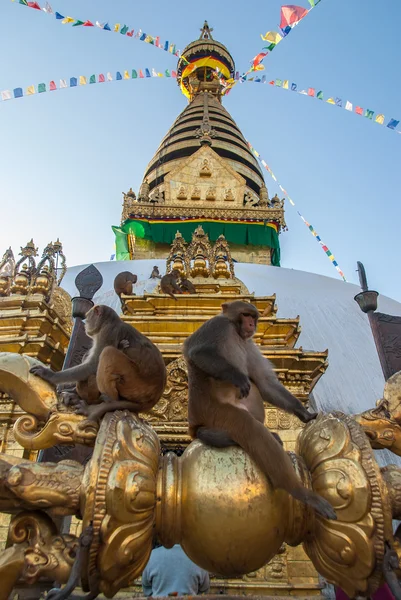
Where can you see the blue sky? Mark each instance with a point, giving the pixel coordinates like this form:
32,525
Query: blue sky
66,156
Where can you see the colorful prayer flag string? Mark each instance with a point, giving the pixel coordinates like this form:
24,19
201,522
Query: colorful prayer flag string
290,16
311,229
334,101
83,80
117,28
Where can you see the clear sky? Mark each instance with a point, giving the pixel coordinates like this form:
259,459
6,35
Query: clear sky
66,156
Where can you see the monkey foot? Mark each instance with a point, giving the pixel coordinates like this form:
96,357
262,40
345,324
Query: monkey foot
306,417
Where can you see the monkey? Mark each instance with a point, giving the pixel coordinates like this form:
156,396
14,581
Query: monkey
228,380
124,282
129,369
169,283
187,286
155,273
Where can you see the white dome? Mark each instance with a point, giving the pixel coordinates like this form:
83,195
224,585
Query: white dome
330,319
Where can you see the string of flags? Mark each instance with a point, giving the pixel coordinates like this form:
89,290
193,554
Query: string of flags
333,100
309,226
116,28
19,92
290,16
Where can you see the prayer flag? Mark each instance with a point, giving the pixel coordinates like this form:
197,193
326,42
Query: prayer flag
291,14
166,45
48,9
138,33
116,27
124,30
25,3
312,3
348,105
392,124
73,81
88,24
285,84
319,95
311,91
126,75
339,102
147,73
272,36
107,27
150,40
77,23
82,80
30,90
174,74
92,79
33,5
143,37
41,88
101,78
6,94
141,75
109,77
154,74
57,15
359,110
294,87
52,86
272,174
303,92
380,119
325,248
130,33
118,76
18,93
331,101
134,74
100,25
369,114
172,48
67,20
63,83
278,82
157,41
167,73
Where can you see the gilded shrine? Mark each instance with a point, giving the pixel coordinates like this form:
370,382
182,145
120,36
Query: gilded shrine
82,500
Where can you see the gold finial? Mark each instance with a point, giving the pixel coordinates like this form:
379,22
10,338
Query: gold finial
206,32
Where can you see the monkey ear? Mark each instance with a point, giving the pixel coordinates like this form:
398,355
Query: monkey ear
97,310
224,307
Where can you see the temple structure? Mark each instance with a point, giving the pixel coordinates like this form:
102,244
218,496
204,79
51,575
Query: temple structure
203,173
203,209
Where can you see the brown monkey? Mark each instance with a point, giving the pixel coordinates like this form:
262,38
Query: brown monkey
187,286
228,380
169,283
155,273
129,368
124,282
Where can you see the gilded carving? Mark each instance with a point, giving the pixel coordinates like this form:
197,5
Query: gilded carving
382,424
343,470
173,405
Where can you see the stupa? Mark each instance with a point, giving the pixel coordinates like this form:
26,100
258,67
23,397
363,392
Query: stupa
204,173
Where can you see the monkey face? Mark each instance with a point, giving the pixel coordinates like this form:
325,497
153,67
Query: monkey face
247,326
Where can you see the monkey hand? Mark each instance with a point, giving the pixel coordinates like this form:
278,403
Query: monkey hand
123,345
70,398
43,373
243,383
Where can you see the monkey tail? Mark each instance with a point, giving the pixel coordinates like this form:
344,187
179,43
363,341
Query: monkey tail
172,296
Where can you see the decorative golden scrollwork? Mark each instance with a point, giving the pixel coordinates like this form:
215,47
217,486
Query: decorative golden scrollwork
38,551
44,425
176,257
173,405
349,551
120,501
48,486
382,424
